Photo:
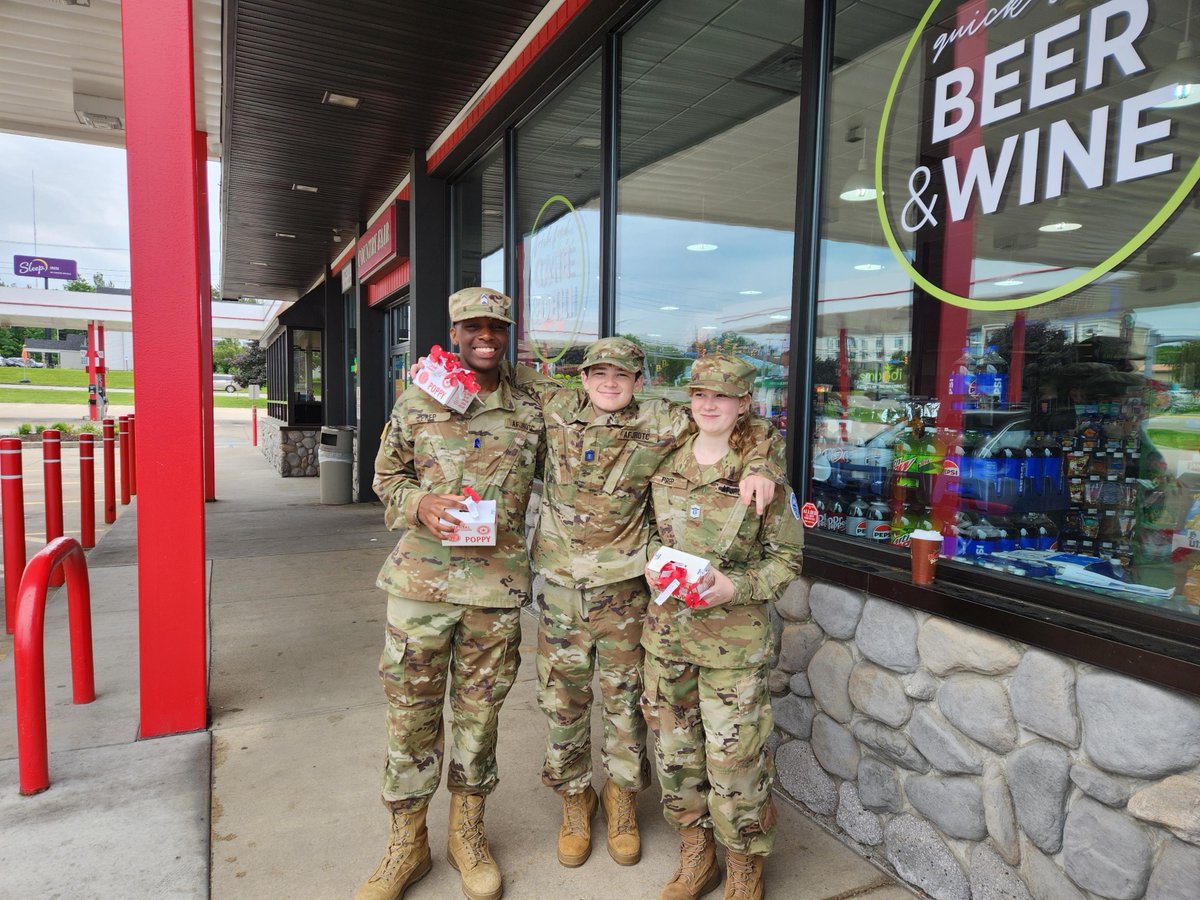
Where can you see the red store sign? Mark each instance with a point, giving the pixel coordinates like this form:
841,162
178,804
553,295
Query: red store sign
377,246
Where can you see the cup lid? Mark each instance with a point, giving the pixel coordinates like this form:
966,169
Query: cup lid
924,534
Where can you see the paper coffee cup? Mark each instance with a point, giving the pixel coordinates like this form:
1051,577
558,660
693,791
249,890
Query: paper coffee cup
925,547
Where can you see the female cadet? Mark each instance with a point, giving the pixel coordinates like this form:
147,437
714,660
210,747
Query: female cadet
706,698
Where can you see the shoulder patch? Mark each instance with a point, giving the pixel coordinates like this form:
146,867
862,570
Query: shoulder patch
792,502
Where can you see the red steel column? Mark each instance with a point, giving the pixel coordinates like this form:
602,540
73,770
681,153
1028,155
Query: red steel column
52,491
206,363
110,476
93,389
164,244
132,455
123,437
12,502
87,491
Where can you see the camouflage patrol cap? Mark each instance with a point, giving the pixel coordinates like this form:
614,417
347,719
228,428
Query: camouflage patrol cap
472,302
724,373
616,351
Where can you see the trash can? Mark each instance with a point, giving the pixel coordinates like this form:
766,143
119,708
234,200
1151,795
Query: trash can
336,460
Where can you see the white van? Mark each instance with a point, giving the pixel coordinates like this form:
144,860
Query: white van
222,382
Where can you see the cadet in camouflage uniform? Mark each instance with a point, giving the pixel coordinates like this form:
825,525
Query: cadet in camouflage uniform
453,612
706,698
602,448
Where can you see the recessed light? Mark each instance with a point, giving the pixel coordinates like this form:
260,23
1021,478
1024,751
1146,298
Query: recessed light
868,267
749,293
284,234
1060,226
491,212
587,141
1196,253
263,264
306,188
668,308
343,100
702,248
652,334
709,327
1008,282
780,316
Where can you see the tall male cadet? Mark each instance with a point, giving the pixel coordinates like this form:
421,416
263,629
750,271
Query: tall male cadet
602,448
453,611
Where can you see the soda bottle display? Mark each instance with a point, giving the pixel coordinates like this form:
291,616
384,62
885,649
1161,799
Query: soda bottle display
929,455
1031,471
903,524
904,460
879,522
836,518
962,376
820,501
1027,531
992,377
856,518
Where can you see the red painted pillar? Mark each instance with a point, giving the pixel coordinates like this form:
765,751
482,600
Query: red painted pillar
52,491
110,478
12,498
164,245
132,454
93,388
206,363
123,440
87,491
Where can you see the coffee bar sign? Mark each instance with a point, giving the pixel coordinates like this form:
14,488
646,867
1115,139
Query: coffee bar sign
377,246
1026,107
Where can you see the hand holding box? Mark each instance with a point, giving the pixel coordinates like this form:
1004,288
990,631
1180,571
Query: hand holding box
444,379
478,522
678,574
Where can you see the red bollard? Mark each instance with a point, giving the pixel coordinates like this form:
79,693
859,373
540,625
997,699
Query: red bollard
110,477
87,491
132,456
12,501
123,433
254,426
52,476
29,654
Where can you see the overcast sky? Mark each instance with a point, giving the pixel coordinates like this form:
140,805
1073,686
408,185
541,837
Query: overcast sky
82,208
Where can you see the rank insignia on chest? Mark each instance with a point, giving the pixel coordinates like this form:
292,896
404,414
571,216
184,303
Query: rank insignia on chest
589,455
694,511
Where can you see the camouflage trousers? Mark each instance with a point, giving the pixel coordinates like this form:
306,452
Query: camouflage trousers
710,729
579,631
479,649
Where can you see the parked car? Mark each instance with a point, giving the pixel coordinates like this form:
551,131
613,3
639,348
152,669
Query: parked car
223,382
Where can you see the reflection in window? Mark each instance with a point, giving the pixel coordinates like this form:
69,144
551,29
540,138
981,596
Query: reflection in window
558,219
706,198
479,224
1037,402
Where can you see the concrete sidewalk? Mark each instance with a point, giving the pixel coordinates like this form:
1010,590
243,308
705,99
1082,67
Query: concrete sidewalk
286,803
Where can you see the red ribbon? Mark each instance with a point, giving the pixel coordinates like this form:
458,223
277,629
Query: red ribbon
455,373
675,572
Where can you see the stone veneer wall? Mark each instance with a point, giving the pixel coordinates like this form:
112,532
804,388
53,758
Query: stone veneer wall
290,450
977,767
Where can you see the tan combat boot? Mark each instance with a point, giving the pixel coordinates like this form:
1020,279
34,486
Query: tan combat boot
620,809
698,872
743,876
405,861
575,833
468,849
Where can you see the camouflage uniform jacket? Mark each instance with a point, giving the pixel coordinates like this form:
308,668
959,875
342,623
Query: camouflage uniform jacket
697,510
495,447
595,522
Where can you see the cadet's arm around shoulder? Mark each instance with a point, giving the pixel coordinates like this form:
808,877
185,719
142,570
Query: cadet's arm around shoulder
782,538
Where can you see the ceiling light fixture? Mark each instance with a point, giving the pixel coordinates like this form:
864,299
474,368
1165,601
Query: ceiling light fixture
668,308
860,186
263,264
305,188
750,293
779,316
1183,75
709,327
702,248
284,234
1196,253
868,267
587,141
1008,282
1060,226
343,100
101,113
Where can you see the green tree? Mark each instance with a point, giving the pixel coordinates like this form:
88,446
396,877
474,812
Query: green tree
13,339
250,366
88,285
1187,369
223,353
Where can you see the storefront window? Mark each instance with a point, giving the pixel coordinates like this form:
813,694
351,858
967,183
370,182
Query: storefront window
479,224
1008,319
306,375
558,219
707,193
350,305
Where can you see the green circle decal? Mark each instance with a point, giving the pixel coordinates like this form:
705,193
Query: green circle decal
1081,281
583,275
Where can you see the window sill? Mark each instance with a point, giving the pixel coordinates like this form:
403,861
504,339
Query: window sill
1119,646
